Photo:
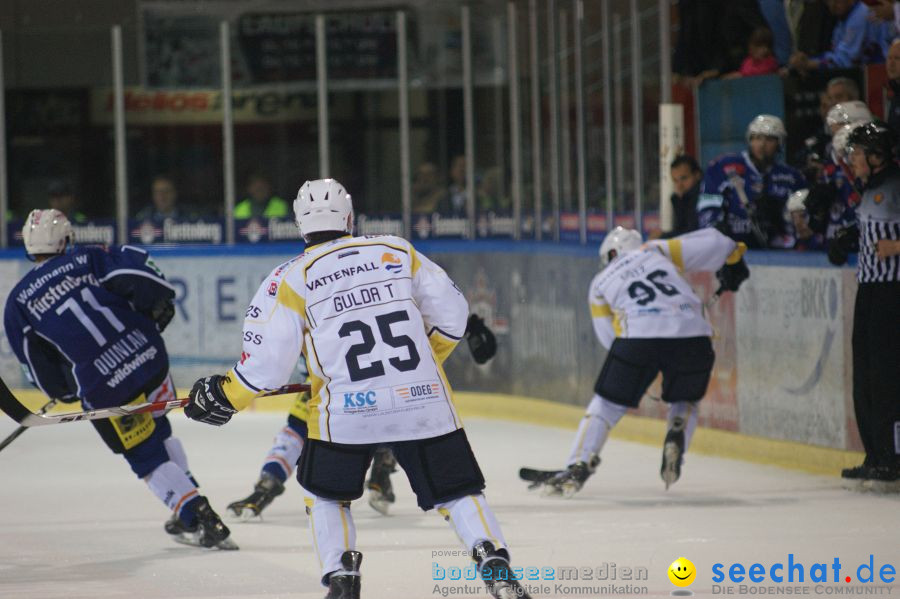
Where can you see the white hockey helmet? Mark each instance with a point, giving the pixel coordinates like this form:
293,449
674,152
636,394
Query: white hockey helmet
323,205
839,139
46,231
795,202
619,240
768,125
845,113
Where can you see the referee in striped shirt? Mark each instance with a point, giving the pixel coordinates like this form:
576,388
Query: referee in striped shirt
876,315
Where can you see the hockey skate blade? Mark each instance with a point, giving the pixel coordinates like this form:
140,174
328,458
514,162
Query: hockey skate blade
563,491
246,514
192,541
853,484
378,503
881,486
670,473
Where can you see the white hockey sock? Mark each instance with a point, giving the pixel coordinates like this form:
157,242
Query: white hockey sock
173,487
333,532
689,412
285,451
473,520
593,431
176,453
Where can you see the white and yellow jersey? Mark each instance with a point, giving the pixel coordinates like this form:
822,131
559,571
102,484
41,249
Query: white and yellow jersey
375,320
642,294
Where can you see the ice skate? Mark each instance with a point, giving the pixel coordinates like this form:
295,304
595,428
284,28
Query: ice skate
345,584
569,481
208,531
381,492
882,479
493,568
266,490
853,478
673,454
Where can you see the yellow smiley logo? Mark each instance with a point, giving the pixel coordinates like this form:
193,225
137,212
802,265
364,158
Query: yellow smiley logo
682,572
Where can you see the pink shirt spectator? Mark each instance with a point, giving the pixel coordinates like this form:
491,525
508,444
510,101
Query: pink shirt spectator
763,66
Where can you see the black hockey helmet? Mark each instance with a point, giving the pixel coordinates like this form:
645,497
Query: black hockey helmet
875,138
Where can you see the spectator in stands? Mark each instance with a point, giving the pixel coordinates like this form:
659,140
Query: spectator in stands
760,58
427,191
811,25
893,72
163,201
260,201
713,37
686,178
840,90
856,39
489,196
454,203
61,196
887,11
775,15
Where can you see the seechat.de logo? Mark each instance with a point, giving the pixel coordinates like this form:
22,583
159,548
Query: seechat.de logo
682,573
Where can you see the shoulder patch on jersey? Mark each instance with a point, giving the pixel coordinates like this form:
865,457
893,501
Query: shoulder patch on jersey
734,168
709,200
391,262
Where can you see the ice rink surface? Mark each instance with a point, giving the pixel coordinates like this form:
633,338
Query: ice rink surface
76,523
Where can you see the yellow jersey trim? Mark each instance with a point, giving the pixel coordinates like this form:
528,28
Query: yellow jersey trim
675,252
601,311
738,253
441,345
238,395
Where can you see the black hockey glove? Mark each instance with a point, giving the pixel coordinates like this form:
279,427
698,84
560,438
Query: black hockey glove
162,313
208,402
481,340
731,276
845,242
818,206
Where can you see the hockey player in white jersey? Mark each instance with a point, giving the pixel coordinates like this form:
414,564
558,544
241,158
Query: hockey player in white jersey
375,320
288,443
651,321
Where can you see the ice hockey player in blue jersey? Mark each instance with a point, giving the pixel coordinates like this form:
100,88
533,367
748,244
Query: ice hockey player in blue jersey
86,325
744,195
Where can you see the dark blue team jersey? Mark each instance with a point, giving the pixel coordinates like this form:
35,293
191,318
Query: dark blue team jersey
80,324
732,183
843,211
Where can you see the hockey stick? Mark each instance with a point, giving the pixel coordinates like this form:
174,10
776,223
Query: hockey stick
18,412
738,185
22,428
715,298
